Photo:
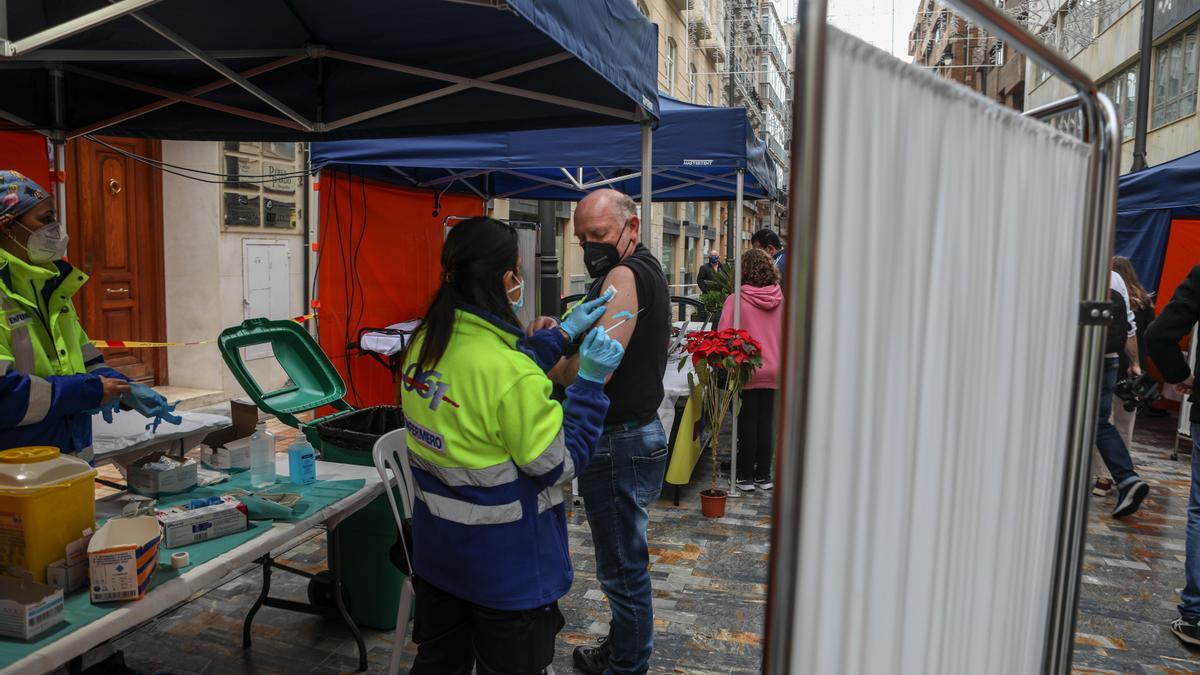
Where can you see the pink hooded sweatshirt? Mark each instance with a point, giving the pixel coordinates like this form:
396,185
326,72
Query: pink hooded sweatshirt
762,317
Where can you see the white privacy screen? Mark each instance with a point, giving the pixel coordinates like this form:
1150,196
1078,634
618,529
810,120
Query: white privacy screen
944,331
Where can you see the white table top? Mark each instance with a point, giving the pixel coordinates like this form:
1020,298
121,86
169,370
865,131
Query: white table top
127,433
204,577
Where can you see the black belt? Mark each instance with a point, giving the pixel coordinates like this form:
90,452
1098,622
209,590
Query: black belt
630,425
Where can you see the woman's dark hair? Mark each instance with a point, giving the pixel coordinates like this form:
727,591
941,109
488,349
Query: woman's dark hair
477,253
1139,297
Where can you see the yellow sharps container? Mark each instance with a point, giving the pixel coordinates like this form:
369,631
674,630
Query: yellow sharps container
47,500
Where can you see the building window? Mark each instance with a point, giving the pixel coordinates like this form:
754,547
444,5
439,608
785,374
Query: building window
689,212
263,185
1175,79
710,94
668,256
670,65
1110,14
643,8
1070,123
692,83
1122,89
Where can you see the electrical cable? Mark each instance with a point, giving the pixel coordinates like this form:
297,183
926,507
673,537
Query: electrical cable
362,289
258,179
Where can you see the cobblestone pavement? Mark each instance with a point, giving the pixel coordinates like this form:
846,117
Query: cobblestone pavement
1134,569
709,580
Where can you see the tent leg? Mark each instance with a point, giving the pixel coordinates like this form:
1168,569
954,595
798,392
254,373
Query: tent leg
737,318
58,138
647,216
551,282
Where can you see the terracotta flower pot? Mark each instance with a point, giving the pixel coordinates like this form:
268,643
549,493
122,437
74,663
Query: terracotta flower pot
712,503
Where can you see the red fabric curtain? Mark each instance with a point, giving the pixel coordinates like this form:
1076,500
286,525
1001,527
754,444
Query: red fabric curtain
380,263
27,152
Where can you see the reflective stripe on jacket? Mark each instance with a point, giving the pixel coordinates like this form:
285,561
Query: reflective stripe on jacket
49,371
490,452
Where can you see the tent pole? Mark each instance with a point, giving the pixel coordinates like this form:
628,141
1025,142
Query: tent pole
551,282
647,216
737,323
58,138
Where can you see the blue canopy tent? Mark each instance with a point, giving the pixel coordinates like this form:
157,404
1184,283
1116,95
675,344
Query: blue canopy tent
295,70
1147,202
304,70
698,153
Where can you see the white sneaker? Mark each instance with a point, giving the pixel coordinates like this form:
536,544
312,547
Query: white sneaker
745,486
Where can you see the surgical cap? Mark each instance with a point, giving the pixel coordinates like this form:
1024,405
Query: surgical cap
18,194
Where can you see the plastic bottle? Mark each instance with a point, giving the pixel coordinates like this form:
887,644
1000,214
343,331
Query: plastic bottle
262,458
302,463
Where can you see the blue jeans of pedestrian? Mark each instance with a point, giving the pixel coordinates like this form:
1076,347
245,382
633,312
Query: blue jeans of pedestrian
1189,599
1108,440
624,477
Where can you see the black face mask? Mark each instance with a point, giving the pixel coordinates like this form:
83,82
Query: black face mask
599,258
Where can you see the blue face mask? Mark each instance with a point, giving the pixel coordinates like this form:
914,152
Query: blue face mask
520,301
713,260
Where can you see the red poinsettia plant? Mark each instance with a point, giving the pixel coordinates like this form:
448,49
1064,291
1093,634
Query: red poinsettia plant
723,360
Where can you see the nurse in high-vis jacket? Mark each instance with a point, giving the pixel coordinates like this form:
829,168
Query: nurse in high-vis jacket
490,453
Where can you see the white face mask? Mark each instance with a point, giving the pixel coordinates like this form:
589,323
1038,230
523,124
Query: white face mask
47,243
520,301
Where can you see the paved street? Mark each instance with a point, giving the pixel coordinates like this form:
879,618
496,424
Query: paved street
710,589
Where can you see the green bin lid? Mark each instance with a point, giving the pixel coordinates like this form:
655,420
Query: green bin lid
315,382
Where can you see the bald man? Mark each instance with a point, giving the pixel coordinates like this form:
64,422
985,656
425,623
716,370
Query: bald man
627,468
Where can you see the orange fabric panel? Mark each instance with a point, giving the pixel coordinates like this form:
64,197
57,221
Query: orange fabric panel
27,152
1183,253
399,245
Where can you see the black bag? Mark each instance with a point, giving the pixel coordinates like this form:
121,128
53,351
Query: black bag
1118,325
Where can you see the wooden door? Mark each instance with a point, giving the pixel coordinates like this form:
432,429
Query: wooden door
114,217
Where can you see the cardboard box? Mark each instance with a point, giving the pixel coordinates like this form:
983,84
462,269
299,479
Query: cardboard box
244,417
183,526
233,456
70,573
28,609
67,576
154,483
123,558
229,449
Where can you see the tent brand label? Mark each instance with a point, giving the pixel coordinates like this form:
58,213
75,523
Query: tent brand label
697,162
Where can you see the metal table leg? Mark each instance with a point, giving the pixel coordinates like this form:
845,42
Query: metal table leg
263,596
265,600
334,553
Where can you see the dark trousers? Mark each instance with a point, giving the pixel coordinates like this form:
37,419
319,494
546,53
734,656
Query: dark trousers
453,636
756,435
1108,440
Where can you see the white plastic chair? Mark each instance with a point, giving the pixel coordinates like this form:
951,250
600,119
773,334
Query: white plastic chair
391,456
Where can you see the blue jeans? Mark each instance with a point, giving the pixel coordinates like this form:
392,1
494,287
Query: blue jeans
1108,440
1189,599
624,477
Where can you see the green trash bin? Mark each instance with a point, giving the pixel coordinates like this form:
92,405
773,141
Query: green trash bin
370,581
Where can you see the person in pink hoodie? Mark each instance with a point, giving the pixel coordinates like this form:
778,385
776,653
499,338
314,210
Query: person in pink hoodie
762,317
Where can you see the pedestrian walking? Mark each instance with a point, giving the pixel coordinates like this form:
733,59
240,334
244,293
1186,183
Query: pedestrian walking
708,270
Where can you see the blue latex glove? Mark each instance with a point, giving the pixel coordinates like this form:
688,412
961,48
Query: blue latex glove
107,410
585,314
150,404
599,355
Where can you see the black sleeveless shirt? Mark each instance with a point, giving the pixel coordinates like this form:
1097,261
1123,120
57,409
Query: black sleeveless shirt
636,388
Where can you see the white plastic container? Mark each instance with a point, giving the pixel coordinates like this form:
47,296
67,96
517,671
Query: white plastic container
262,458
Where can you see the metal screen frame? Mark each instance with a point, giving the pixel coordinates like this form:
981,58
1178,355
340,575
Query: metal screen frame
1103,134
